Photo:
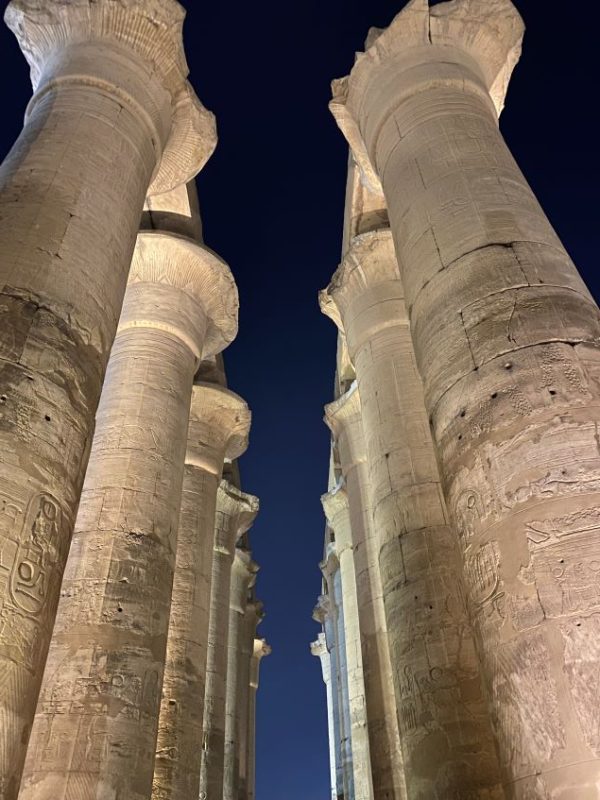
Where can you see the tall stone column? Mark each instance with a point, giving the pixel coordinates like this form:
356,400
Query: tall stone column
506,340
344,419
96,723
330,567
111,103
319,649
235,514
243,576
325,613
261,649
253,614
219,427
444,726
337,511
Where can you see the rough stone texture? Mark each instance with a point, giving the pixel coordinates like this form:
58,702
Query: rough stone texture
444,727
93,138
96,724
344,419
235,514
506,338
261,649
319,649
337,511
218,429
243,576
252,616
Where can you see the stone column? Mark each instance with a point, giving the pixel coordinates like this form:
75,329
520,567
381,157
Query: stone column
319,649
261,649
96,723
337,511
235,514
506,340
219,426
444,726
344,419
111,101
252,616
243,576
325,613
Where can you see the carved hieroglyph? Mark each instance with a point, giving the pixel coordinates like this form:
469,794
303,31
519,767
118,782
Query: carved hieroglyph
444,726
236,512
96,723
111,102
218,429
336,508
506,340
344,418
261,649
243,576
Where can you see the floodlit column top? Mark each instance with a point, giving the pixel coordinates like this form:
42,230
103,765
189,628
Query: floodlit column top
472,45
123,49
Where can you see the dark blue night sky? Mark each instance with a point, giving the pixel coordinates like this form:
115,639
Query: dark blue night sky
272,202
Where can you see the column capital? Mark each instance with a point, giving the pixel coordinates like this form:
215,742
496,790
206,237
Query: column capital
485,34
337,512
369,261
243,577
164,261
322,610
318,648
219,426
97,35
261,649
239,508
343,412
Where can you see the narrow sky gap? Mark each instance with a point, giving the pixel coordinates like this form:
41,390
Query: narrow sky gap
272,201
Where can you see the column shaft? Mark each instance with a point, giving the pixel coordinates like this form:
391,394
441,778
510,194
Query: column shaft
93,137
219,423
319,648
261,649
337,511
344,418
235,513
96,724
243,576
506,339
444,726
252,616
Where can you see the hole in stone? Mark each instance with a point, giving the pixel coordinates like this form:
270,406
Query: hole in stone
120,610
563,472
3,398
494,395
431,421
460,437
561,561
172,703
552,392
463,414
431,608
578,624
47,417
508,365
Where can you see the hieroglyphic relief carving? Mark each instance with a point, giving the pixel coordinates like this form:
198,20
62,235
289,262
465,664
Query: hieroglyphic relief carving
28,582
